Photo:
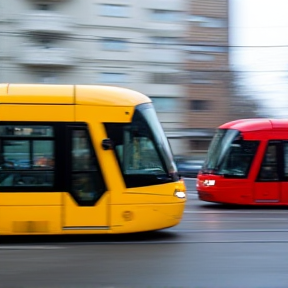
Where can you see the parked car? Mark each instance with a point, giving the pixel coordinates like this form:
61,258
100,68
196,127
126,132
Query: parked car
189,168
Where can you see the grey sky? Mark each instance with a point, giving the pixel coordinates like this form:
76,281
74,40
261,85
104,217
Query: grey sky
255,24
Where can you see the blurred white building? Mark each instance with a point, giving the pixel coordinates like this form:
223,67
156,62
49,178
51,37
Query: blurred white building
135,44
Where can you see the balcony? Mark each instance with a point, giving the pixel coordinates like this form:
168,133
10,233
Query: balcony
172,29
39,56
165,5
46,22
163,55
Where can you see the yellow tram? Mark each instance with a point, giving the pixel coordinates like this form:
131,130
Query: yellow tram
84,159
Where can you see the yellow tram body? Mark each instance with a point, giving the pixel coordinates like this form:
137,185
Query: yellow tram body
132,179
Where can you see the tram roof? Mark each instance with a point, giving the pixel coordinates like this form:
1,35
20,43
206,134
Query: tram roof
254,124
70,95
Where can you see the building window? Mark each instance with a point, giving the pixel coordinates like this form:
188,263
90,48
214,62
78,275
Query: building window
202,77
201,57
113,78
201,47
44,6
209,22
164,78
47,77
159,41
202,81
199,105
166,104
114,44
113,10
46,43
165,15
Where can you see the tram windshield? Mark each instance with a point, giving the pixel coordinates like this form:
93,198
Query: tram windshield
142,149
229,154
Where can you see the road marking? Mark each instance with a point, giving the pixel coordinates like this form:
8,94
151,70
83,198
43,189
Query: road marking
237,220
235,212
229,231
28,247
240,241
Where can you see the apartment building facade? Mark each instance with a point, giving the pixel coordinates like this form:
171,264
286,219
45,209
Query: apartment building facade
208,76
135,44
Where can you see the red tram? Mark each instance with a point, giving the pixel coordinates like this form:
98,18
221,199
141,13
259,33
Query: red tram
247,163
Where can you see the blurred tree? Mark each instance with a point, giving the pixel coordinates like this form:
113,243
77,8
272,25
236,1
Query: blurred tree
244,103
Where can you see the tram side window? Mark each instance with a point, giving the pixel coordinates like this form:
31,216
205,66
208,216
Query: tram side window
87,182
26,156
285,160
269,169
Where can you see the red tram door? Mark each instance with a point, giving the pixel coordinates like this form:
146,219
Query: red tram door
267,187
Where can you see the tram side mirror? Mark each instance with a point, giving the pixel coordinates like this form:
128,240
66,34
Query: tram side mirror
107,144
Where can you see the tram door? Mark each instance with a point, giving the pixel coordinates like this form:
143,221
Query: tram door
267,185
85,206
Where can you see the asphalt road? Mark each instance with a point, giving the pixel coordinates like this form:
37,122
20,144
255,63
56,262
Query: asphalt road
214,246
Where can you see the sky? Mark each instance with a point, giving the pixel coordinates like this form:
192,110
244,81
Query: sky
259,40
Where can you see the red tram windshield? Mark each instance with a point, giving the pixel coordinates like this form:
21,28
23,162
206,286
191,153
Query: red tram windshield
229,155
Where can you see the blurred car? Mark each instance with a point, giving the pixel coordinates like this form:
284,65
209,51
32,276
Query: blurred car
189,168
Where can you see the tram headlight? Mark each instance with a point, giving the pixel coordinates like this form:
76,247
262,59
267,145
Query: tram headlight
179,194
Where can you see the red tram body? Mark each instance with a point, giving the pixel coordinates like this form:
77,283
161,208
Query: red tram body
247,163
